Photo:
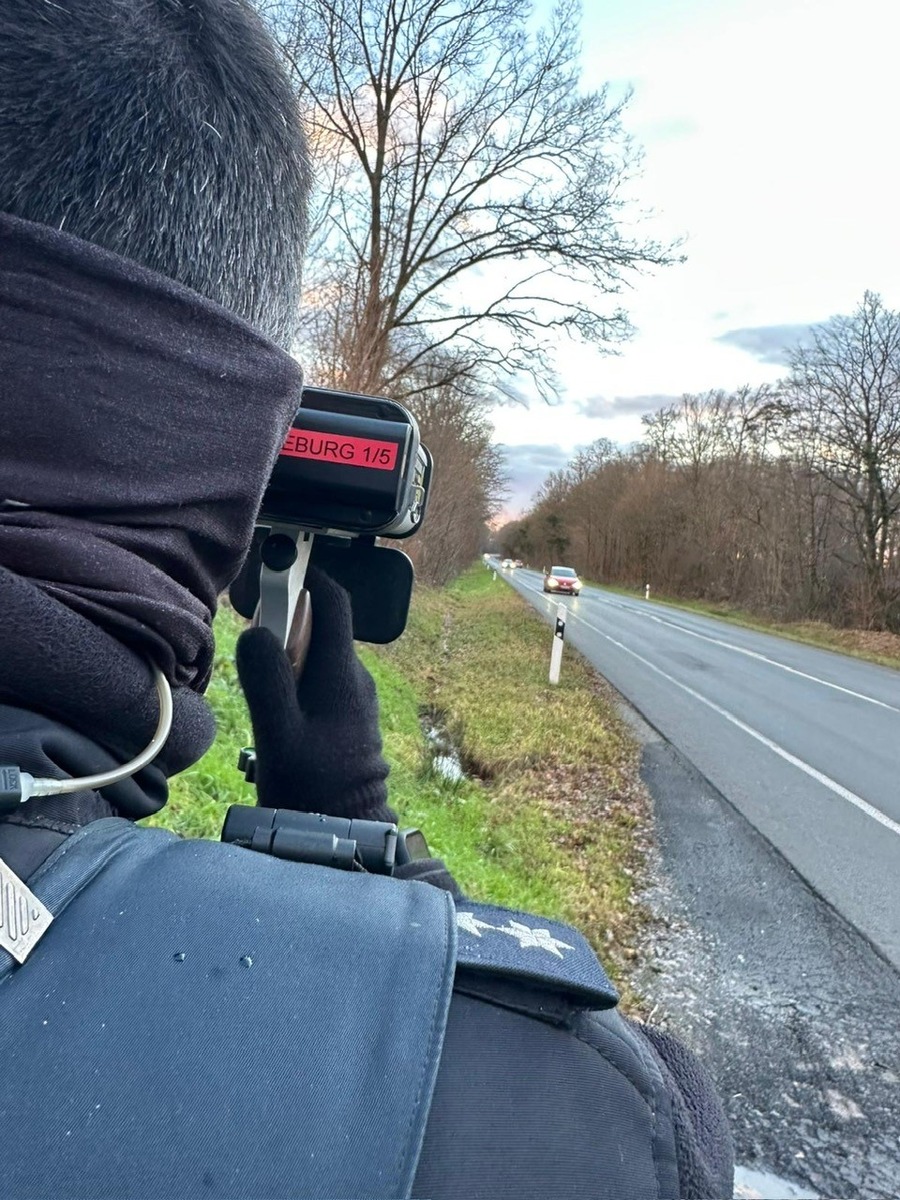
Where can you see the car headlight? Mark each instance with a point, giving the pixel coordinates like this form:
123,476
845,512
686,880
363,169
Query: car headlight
552,583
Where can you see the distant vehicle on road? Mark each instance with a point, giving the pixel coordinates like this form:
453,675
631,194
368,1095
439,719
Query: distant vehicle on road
508,564
517,562
562,581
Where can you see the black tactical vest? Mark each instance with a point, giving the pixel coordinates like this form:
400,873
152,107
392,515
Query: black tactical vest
203,1021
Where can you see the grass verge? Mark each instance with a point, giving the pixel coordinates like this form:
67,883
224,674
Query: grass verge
869,644
551,816
560,820
199,797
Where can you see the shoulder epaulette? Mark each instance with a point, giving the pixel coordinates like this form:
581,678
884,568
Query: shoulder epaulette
500,941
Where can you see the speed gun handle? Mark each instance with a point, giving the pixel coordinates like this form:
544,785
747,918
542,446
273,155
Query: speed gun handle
284,606
300,633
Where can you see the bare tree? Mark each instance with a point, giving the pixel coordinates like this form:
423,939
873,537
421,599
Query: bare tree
469,482
844,396
470,192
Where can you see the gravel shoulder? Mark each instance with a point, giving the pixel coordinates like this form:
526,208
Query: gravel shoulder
795,1014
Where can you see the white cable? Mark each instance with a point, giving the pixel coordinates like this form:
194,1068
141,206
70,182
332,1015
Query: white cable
89,783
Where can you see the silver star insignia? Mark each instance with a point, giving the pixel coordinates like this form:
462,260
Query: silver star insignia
540,939
470,923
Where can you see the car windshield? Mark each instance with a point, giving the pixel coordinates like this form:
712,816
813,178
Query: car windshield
563,572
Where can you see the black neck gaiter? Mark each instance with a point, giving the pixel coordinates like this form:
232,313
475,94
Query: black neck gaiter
138,426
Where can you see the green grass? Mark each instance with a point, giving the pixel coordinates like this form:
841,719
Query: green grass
560,809
459,819
485,665
199,797
869,645
546,819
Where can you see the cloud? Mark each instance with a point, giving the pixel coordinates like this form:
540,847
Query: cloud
603,408
536,457
527,467
767,343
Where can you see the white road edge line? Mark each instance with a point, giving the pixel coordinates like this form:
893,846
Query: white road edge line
825,780
754,654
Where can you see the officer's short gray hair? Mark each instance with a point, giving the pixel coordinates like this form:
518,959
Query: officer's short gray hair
165,130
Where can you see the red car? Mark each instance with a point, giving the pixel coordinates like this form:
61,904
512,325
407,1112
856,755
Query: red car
562,581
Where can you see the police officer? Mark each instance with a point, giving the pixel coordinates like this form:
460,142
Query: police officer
188,1018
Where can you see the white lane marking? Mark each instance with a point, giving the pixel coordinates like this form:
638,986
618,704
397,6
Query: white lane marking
773,662
825,780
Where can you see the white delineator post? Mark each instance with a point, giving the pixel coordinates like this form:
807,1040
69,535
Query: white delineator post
647,592
559,636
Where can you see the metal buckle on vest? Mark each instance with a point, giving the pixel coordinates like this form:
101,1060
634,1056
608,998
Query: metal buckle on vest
23,918
349,845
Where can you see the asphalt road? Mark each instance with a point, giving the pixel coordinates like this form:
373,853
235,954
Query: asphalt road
805,743
773,769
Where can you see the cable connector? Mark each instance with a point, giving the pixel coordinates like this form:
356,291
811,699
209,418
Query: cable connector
15,788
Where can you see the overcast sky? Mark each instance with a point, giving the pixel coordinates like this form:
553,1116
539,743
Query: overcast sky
770,136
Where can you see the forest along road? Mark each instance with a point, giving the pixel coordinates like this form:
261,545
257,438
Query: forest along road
805,743
769,762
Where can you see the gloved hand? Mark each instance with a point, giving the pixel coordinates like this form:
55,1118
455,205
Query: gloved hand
317,740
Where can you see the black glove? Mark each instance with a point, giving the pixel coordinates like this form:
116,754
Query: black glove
317,741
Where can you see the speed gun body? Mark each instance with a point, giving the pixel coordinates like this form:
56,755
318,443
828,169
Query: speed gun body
352,469
350,466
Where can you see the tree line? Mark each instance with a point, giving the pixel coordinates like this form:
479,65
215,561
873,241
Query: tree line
783,499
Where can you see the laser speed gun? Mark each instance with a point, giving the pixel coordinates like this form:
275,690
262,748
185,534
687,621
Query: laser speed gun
352,469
